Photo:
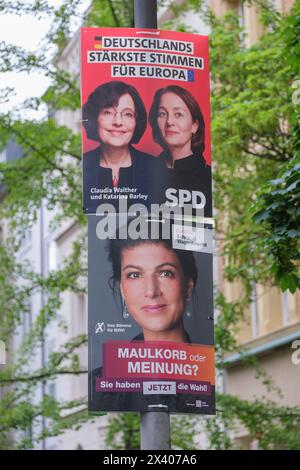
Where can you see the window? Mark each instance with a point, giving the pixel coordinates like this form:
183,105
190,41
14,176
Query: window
26,239
50,348
3,156
254,312
27,319
285,308
51,256
241,12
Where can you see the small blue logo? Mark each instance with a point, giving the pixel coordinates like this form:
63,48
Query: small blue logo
190,76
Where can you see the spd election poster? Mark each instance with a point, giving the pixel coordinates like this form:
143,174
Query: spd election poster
147,190
145,120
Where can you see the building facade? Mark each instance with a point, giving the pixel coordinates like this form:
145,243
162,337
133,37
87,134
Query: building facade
272,322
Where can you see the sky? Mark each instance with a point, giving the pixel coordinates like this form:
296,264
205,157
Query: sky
25,31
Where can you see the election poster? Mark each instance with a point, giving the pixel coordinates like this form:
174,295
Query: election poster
145,121
150,310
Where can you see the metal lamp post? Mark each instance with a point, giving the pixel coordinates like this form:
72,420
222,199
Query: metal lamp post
155,425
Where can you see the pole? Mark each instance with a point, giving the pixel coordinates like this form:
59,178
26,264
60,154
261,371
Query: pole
42,267
155,425
145,13
155,430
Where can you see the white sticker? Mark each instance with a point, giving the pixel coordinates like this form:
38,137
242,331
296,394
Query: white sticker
159,388
187,237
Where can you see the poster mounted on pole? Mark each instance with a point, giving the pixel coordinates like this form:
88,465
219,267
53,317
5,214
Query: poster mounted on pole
146,119
147,190
150,318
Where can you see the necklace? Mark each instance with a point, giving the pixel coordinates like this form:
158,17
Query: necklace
115,169
115,181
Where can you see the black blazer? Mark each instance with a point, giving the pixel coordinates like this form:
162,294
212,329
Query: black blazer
140,337
191,173
147,174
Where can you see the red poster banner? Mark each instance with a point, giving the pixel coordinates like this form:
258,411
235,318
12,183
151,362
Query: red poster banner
147,190
159,360
146,119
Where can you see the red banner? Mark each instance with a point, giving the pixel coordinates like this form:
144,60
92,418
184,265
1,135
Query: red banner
147,177
159,360
98,68
146,118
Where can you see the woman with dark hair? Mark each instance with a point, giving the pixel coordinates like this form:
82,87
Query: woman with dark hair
178,127
156,284
115,116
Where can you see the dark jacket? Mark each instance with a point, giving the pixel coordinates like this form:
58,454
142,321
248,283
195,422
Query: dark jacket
147,176
191,173
140,337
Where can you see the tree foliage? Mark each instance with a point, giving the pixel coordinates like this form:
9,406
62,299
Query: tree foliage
48,173
255,134
255,138
124,432
278,205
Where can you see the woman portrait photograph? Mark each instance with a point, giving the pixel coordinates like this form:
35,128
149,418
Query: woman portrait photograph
156,286
114,115
178,127
144,291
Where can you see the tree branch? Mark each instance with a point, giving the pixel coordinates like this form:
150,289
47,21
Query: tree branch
113,12
41,376
263,155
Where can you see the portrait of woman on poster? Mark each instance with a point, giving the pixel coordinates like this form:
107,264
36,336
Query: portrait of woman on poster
156,284
178,127
115,116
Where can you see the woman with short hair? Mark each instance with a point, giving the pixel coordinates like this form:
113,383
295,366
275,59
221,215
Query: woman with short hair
115,116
